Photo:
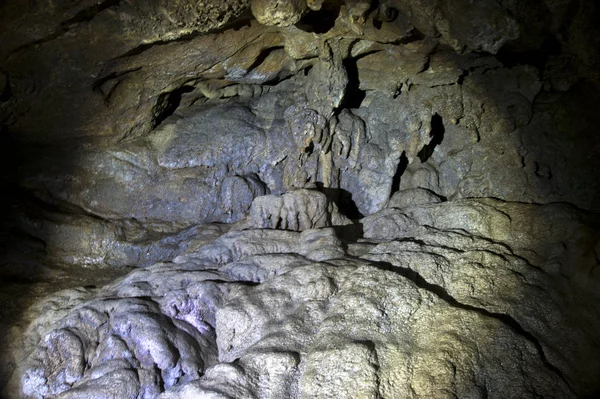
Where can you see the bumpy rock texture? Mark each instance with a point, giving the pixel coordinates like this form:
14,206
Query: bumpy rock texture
299,199
460,307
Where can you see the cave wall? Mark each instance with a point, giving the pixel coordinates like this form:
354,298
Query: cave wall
129,128
502,95
364,100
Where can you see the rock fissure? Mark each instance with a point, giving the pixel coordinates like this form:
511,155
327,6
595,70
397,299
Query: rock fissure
443,294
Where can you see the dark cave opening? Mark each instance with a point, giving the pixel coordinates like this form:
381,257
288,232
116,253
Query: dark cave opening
354,95
347,206
437,136
402,164
167,103
511,56
321,21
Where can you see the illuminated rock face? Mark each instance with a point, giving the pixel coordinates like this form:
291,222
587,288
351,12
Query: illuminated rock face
460,306
298,199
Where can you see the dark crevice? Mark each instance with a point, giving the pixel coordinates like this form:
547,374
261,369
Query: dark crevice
415,36
320,22
463,76
146,46
89,13
349,233
343,199
366,53
424,244
276,81
437,136
354,95
402,165
505,319
511,57
347,206
167,103
309,148
442,198
43,40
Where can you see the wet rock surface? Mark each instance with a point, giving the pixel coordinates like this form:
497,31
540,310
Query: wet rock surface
299,199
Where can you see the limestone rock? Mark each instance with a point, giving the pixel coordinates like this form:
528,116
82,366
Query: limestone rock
483,28
98,346
519,245
460,135
445,302
278,12
297,210
414,196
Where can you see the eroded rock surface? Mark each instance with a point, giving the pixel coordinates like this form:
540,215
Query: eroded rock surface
297,210
430,309
300,198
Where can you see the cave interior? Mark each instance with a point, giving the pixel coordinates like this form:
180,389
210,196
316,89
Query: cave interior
279,199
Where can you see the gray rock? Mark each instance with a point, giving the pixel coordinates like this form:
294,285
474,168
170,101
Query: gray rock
134,124
354,350
440,300
81,240
123,343
297,210
483,28
413,196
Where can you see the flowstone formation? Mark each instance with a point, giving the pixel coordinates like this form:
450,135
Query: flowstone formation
299,199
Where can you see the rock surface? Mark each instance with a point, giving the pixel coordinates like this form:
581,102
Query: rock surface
297,210
412,196
428,310
299,198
